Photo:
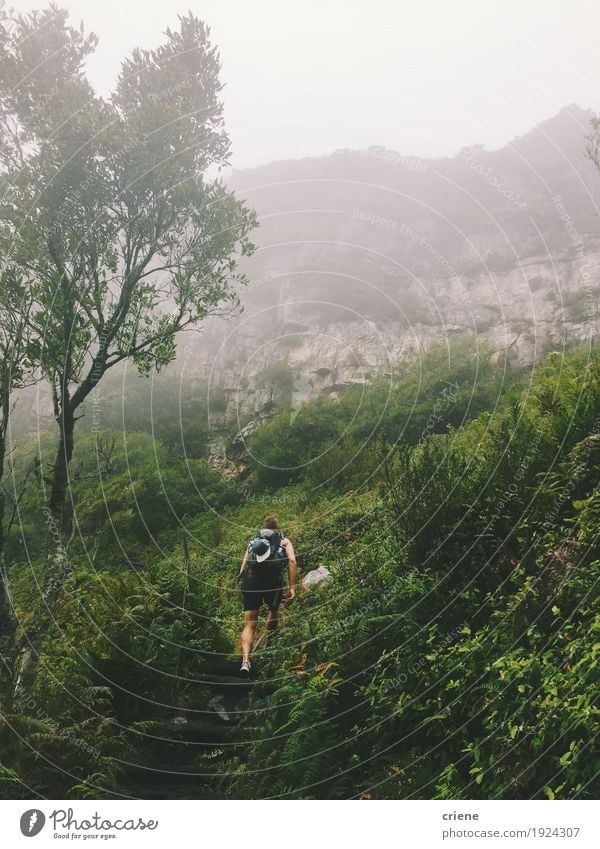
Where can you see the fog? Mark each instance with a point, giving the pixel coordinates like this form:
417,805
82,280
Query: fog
422,78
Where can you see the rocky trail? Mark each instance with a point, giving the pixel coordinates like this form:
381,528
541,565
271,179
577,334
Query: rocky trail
190,750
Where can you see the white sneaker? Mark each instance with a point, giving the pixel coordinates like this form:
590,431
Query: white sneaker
245,667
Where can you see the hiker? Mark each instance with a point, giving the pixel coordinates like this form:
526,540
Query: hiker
261,573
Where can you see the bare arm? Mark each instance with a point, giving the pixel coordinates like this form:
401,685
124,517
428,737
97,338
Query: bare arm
244,564
292,570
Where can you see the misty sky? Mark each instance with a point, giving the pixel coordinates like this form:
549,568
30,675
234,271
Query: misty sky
423,78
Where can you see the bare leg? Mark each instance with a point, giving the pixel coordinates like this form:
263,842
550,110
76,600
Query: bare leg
273,619
247,638
272,622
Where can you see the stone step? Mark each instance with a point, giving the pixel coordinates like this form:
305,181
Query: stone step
201,732
196,730
152,776
218,665
219,681
233,684
223,714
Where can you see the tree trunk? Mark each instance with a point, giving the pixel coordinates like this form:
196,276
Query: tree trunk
8,620
60,512
59,522
8,632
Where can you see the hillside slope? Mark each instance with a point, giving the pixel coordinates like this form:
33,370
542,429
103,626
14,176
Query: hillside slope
364,256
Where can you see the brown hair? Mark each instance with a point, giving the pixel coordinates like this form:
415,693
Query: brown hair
272,522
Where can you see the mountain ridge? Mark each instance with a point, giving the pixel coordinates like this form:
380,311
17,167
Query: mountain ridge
364,257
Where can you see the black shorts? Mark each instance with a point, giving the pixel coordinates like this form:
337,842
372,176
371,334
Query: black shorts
258,588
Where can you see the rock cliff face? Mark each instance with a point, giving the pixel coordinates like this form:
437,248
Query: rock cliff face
364,256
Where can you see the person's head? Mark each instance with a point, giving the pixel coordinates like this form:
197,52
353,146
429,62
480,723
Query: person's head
271,522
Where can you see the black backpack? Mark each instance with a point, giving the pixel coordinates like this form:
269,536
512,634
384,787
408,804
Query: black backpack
265,551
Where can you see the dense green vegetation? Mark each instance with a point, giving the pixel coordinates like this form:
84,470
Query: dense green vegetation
452,653
454,499
116,235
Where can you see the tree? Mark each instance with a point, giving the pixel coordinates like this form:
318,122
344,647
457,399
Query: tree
14,374
122,236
